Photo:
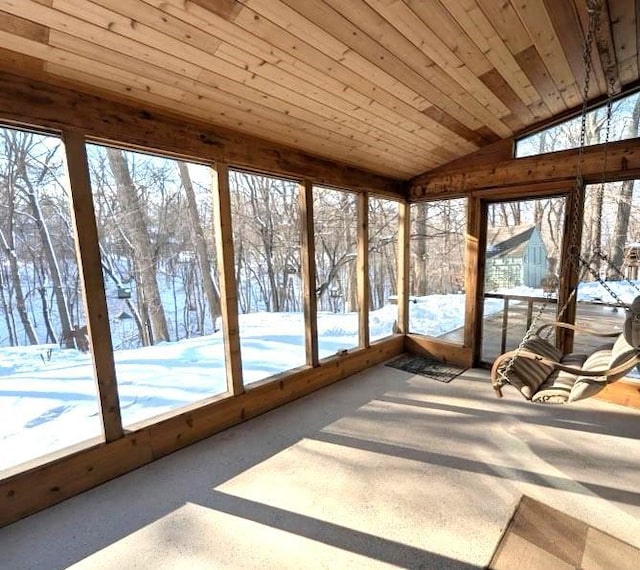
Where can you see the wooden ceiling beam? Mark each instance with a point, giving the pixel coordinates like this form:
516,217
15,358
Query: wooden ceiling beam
623,162
48,106
605,45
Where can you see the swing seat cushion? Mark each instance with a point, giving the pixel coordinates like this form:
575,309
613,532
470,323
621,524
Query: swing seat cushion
587,386
528,375
557,388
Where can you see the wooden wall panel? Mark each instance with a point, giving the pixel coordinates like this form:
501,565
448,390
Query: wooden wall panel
447,352
43,486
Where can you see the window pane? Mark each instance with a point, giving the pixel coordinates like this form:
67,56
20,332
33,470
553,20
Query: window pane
48,398
522,269
155,228
565,135
611,251
436,280
383,267
267,238
336,244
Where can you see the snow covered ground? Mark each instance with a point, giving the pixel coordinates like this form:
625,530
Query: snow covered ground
48,397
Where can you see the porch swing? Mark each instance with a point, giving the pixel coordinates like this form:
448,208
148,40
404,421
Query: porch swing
537,368
542,374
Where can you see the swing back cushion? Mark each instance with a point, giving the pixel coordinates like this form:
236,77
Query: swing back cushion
624,349
600,359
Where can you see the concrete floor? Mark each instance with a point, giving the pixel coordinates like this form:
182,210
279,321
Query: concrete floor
384,469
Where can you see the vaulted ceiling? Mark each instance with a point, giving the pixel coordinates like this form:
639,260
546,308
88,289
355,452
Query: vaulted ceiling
397,87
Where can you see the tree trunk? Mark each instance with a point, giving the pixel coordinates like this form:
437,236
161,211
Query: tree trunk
52,261
144,254
621,227
17,287
420,264
204,260
51,337
266,232
6,309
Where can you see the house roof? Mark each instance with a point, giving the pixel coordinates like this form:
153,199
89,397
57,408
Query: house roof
394,87
508,240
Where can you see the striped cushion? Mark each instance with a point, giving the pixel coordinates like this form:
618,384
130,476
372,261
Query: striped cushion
587,386
558,386
622,351
528,375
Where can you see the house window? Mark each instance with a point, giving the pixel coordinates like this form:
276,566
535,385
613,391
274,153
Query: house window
267,241
383,266
335,219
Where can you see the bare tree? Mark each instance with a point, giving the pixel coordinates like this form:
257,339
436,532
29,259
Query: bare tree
145,254
621,226
267,242
335,225
204,259
23,156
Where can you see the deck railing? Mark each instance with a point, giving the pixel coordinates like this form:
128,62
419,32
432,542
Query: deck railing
505,311
530,300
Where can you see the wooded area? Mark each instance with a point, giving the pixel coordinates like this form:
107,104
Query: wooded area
157,243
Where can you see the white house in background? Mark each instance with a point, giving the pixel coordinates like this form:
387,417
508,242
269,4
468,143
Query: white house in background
516,255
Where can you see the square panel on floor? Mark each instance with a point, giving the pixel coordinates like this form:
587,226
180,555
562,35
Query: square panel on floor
540,537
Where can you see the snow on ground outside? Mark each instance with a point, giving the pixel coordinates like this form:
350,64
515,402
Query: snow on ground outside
48,398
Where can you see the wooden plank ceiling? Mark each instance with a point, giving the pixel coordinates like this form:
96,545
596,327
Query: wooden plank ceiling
397,87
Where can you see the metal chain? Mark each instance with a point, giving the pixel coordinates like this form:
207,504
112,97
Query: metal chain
611,265
574,254
578,193
602,282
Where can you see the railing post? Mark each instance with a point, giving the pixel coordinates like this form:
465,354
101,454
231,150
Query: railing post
505,324
529,314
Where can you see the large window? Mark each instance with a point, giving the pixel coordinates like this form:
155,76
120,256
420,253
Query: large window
154,218
383,267
267,241
336,245
436,280
48,398
522,269
610,255
624,125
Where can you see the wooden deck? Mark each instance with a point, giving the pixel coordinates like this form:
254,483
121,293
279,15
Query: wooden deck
597,316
